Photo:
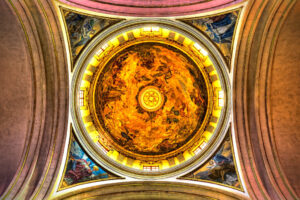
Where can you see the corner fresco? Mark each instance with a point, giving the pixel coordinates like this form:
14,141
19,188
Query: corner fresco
80,168
220,169
83,28
219,28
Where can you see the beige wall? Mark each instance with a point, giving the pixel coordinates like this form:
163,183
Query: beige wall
16,97
285,97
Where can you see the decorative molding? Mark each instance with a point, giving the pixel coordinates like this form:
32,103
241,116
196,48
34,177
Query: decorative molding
153,190
81,28
47,138
181,28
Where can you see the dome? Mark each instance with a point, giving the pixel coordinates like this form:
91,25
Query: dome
150,99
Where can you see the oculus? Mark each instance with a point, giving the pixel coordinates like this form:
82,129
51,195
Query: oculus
150,99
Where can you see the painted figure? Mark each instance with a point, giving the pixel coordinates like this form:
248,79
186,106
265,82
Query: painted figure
151,99
220,168
81,168
219,28
82,28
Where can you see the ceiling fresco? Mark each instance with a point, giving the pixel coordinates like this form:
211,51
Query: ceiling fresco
149,95
82,28
220,28
178,89
148,99
220,169
80,168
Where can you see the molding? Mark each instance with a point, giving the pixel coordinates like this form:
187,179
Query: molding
46,140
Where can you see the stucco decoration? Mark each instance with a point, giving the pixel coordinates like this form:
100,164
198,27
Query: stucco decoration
263,112
219,28
220,169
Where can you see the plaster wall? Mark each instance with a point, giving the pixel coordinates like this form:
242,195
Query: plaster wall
16,94
284,97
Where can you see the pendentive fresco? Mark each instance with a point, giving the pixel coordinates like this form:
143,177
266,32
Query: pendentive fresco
82,28
81,168
219,28
219,169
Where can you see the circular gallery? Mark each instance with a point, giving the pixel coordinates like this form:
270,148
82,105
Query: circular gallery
150,98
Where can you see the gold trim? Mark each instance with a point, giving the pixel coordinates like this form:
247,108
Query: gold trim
100,14
224,77
65,29
150,6
87,12
263,192
55,135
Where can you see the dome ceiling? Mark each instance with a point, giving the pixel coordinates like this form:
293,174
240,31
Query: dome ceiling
149,96
81,57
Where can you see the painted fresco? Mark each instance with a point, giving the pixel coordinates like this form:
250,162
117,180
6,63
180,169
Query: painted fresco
80,168
219,28
221,168
164,74
82,28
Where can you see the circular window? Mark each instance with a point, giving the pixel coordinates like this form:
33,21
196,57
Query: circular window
150,99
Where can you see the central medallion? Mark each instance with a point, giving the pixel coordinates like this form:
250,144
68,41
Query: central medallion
150,99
